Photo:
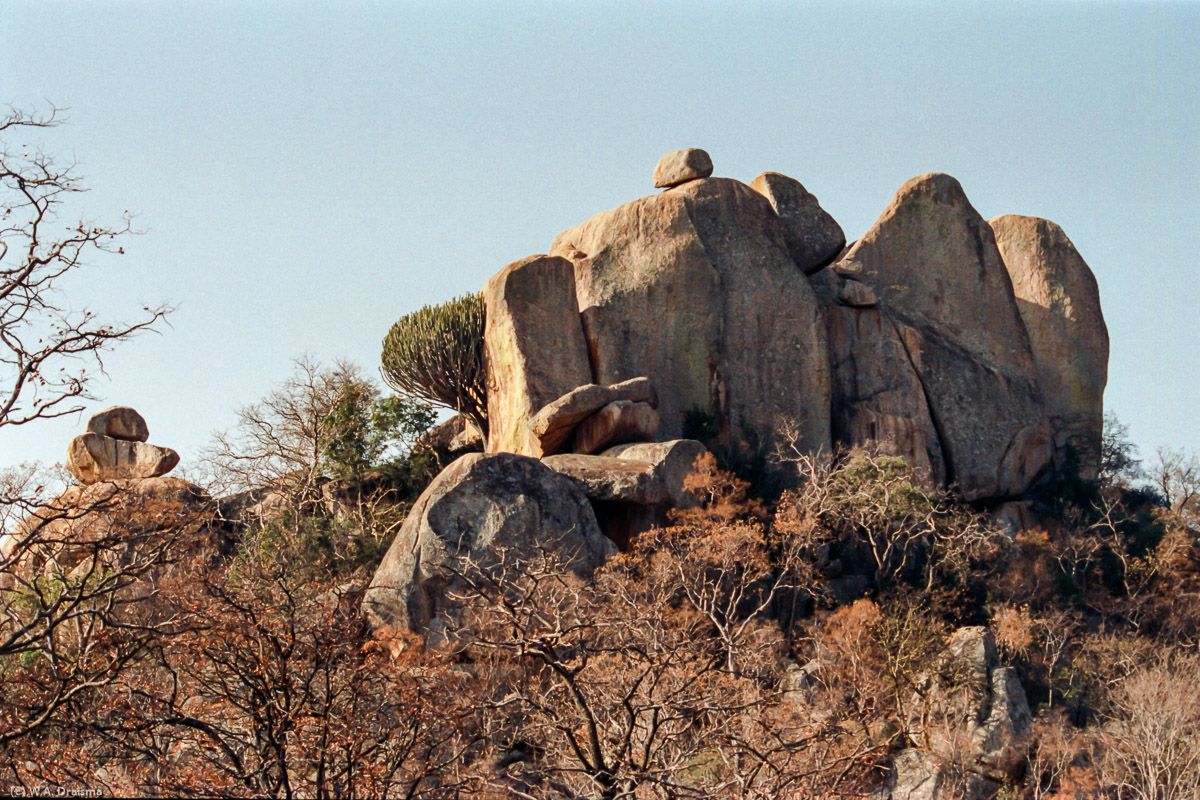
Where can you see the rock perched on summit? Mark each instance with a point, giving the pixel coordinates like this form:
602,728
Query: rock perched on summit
120,422
813,237
680,166
114,448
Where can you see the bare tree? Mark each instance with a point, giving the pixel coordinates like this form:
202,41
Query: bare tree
71,584
321,422
1151,746
45,350
1176,475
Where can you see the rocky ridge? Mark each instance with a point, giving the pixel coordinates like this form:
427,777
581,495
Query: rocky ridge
977,350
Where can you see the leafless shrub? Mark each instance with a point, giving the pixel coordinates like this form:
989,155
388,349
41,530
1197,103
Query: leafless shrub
1150,747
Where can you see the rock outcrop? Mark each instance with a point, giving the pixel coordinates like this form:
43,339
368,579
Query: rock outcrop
975,350
1059,302
973,712
115,449
934,265
484,511
116,521
695,287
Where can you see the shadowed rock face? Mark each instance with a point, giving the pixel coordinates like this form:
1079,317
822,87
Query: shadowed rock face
878,399
480,512
695,288
1059,302
813,237
933,263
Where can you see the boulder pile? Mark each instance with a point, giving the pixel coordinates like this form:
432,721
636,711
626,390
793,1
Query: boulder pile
114,448
123,512
977,350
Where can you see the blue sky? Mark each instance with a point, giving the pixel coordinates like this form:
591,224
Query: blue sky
307,173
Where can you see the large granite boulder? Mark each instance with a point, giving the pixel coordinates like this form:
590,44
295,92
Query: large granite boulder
484,511
696,288
1059,302
92,458
934,265
534,347
813,237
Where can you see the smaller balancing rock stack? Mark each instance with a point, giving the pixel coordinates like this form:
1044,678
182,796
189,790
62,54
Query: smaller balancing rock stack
114,448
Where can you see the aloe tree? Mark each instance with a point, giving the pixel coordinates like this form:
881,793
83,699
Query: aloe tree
436,354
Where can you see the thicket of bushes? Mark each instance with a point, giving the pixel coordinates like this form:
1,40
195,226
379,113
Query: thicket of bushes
670,674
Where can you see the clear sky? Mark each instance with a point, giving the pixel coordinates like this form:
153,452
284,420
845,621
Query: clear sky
307,173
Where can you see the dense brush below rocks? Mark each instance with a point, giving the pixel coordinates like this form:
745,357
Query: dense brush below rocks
860,635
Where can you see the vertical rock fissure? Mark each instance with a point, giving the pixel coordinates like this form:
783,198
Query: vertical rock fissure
717,401
947,461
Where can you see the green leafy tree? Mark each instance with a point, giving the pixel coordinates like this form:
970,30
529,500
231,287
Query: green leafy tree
322,422
436,354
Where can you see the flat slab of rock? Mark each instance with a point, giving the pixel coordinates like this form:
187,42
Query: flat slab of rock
557,420
673,461
485,511
613,479
618,422
92,458
1059,302
120,422
934,265
679,166
814,238
535,347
